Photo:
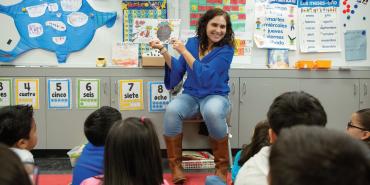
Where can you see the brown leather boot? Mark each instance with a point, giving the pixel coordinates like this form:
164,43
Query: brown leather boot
221,153
174,155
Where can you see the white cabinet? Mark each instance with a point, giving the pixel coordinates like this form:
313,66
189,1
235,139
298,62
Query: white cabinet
339,97
256,95
65,126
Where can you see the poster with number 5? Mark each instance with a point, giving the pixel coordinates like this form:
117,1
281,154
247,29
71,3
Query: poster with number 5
131,95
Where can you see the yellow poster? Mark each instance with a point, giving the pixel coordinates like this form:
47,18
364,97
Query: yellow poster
131,95
27,92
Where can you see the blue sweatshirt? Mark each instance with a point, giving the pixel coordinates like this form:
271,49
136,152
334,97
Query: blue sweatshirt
208,76
89,164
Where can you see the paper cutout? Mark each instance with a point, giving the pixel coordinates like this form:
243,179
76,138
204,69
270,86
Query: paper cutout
71,5
59,40
355,45
53,7
57,25
5,92
34,33
77,19
27,92
37,10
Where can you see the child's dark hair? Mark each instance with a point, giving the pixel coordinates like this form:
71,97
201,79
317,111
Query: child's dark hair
202,29
132,154
98,123
15,123
12,171
260,139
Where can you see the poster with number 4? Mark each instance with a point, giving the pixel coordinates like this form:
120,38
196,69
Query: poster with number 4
27,92
159,97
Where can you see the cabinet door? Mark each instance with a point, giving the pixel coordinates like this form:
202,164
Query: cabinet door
364,93
156,117
339,97
256,96
234,121
65,126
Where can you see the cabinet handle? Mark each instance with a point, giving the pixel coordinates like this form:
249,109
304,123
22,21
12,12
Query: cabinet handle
115,92
105,88
233,88
354,89
365,89
244,88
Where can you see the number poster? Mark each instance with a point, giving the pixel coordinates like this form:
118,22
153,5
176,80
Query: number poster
27,92
88,95
5,92
131,95
159,97
59,93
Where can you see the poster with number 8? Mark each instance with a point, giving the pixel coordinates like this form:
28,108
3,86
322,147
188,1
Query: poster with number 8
5,92
159,97
131,95
88,93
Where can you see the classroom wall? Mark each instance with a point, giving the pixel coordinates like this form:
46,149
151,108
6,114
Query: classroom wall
101,44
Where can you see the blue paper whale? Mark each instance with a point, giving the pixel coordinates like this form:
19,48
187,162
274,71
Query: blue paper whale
60,26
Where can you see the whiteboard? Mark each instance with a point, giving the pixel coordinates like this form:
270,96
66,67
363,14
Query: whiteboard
101,43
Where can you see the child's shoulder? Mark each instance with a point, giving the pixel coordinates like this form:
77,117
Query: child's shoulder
25,155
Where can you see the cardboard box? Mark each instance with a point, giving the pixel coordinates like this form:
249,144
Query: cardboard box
152,61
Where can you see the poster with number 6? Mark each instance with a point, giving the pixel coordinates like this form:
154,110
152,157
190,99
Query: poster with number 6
159,97
88,93
5,92
131,95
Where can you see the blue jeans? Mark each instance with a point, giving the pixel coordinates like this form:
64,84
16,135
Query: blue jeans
214,110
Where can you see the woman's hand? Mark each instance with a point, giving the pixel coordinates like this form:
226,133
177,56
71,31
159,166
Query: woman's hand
178,45
156,44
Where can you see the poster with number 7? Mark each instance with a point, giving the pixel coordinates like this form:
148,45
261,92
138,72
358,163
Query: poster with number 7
131,95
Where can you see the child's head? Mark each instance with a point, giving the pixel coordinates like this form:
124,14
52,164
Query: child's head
260,139
359,126
305,155
12,171
132,153
98,123
18,127
295,108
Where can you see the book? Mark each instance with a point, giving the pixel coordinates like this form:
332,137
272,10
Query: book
277,58
125,54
